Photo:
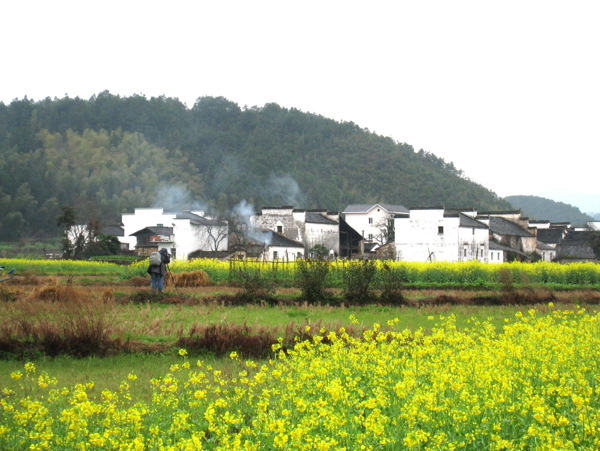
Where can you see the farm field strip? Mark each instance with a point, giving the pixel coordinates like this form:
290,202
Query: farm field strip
531,384
437,273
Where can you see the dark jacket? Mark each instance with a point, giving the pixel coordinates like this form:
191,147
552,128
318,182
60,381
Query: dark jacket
165,260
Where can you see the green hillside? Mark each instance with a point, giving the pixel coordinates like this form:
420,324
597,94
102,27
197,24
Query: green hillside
541,208
109,154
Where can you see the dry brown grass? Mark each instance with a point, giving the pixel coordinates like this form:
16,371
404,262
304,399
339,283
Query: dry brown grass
189,279
57,292
59,319
138,281
28,279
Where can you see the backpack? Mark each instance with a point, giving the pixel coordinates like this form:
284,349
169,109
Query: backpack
155,258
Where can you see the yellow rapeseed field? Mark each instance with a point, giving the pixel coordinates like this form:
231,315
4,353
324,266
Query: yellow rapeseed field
533,385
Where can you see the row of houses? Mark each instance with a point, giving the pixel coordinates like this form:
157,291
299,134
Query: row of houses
360,231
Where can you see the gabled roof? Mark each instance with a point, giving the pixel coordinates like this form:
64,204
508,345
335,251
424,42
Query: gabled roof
197,219
543,246
279,240
348,232
499,212
505,227
365,208
575,250
495,246
154,231
467,221
318,218
270,238
114,230
550,236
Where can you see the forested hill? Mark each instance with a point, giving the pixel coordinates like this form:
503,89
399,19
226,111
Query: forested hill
109,154
545,209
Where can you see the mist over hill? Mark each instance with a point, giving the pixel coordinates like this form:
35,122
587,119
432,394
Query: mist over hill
541,208
109,154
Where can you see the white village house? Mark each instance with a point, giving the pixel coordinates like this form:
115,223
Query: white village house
181,233
276,246
437,234
310,227
370,220
434,234
420,234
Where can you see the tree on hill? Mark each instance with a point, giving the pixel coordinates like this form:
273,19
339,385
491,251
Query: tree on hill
117,152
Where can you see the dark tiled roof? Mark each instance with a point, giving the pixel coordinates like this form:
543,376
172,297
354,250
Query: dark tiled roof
154,231
197,219
543,246
114,230
550,236
495,246
575,250
500,212
369,246
317,218
505,227
467,221
577,235
363,208
187,215
277,239
270,238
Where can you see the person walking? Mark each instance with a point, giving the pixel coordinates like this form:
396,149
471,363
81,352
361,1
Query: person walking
158,269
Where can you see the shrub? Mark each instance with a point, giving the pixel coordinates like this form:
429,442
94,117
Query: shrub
221,339
311,278
391,286
358,278
256,287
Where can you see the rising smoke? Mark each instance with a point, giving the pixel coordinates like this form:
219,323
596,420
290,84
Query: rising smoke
283,190
176,198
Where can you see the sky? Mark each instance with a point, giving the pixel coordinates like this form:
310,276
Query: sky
508,91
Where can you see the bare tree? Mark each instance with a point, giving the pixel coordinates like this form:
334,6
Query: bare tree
386,230
216,232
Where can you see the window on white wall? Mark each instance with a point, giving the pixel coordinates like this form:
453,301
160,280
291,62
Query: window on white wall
440,230
370,220
275,255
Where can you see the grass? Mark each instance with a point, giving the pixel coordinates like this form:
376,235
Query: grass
106,373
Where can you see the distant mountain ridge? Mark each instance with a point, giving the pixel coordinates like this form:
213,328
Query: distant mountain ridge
541,208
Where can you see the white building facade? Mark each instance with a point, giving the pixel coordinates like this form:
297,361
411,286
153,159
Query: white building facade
432,234
309,227
370,219
191,231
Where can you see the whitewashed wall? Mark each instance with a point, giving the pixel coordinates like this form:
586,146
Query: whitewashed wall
327,235
495,256
473,244
418,237
191,237
284,253
368,224
427,235
141,218
187,236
